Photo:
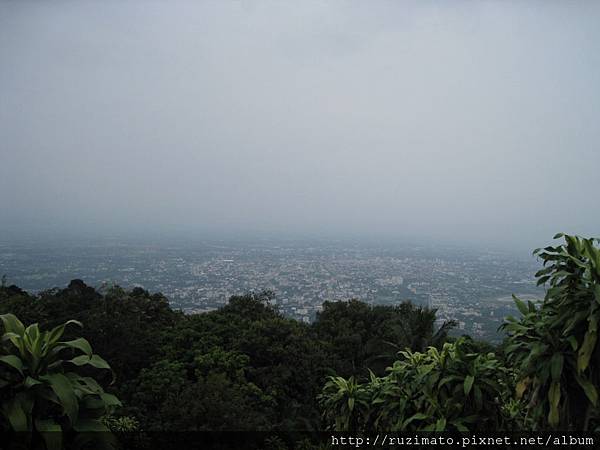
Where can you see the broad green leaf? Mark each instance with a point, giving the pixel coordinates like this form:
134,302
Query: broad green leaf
13,361
16,340
573,341
542,280
440,425
589,389
33,342
372,376
523,309
32,332
417,416
30,382
95,361
91,384
590,250
468,383
460,426
587,348
12,324
49,395
79,344
13,410
544,271
57,332
521,387
110,400
63,389
556,366
554,400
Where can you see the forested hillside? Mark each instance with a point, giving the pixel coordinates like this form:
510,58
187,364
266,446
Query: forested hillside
128,362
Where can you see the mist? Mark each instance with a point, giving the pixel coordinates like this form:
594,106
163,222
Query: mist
474,121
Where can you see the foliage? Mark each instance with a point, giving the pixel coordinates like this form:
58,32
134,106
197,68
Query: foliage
43,385
261,371
362,337
246,367
216,400
121,424
437,390
125,327
554,346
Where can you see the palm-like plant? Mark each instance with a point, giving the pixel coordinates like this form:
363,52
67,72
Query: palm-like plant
446,389
344,402
42,391
438,390
555,346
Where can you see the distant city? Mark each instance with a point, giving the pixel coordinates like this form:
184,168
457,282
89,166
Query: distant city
470,286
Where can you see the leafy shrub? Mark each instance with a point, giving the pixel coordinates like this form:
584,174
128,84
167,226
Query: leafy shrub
554,346
437,390
42,389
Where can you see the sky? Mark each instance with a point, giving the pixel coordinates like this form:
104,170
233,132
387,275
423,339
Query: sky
465,121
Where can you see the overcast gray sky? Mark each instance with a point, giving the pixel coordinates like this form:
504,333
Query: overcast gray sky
433,119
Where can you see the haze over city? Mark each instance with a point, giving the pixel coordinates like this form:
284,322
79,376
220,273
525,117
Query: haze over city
468,122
